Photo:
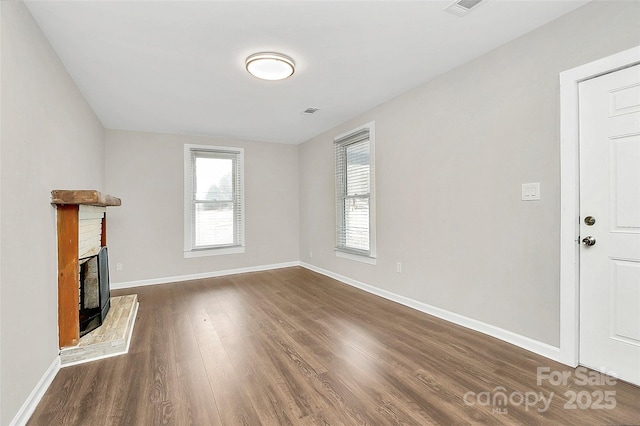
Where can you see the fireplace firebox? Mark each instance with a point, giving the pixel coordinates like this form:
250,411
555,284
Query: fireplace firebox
94,291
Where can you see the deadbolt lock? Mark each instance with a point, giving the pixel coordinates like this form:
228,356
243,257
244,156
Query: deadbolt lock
589,220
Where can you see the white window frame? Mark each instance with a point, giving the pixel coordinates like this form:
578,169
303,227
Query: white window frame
189,249
369,257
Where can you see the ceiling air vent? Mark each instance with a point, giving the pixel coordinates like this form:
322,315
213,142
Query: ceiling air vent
310,110
461,7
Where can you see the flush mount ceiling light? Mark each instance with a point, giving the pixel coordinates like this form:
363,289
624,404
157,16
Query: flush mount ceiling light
270,66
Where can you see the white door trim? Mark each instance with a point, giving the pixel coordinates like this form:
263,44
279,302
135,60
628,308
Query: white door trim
570,195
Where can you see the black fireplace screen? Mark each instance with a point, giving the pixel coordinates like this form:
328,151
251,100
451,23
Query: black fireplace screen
94,300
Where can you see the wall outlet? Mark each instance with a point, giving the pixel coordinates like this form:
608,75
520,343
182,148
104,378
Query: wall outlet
311,254
399,267
118,266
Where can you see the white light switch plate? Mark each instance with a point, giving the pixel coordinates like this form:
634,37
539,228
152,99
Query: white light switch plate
530,191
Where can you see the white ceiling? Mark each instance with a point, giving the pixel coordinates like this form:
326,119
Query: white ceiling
178,66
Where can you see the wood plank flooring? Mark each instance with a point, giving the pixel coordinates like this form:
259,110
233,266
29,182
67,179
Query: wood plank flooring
292,347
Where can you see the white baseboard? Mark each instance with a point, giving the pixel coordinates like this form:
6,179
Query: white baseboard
29,406
166,280
524,342
527,343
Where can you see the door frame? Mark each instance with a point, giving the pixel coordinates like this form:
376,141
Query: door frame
570,195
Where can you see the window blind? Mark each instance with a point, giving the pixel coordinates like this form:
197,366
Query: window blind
216,210
353,192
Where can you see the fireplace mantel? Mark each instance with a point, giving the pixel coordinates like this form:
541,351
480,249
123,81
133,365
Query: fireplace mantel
83,197
69,205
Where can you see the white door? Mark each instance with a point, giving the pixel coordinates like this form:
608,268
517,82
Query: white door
610,218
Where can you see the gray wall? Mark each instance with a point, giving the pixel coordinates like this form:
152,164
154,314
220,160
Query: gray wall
50,140
451,157
146,233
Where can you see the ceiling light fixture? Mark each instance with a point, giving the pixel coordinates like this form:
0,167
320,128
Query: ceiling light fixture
270,66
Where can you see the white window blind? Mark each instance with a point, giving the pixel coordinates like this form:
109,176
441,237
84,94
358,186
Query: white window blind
213,198
354,195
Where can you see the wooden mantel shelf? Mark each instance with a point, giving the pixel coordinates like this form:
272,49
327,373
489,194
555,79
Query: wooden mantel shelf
84,197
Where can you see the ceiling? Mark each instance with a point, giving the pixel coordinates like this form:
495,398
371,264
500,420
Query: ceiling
178,66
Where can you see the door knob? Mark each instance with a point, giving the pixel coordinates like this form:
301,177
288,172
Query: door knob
589,241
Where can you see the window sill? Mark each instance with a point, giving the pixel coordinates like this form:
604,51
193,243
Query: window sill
213,252
356,257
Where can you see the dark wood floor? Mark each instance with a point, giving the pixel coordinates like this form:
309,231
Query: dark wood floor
291,347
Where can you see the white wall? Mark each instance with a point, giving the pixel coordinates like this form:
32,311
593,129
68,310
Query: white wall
50,140
146,233
1,97
451,157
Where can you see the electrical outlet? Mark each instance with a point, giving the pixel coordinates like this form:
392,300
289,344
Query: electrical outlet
118,266
399,267
311,254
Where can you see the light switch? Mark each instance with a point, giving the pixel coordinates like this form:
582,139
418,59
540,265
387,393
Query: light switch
530,191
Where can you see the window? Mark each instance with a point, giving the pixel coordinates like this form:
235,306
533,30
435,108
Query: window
355,195
214,202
